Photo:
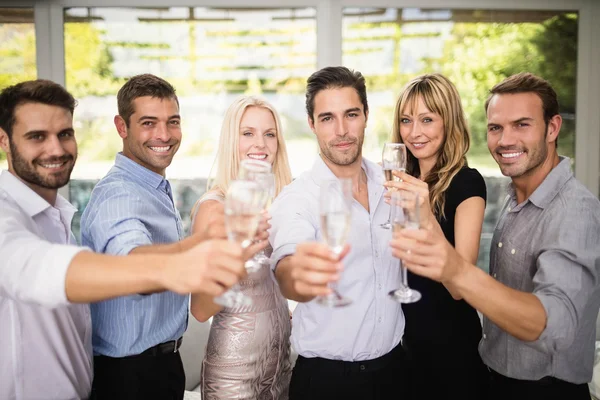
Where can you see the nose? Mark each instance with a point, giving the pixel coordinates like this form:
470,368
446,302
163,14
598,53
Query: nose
54,147
341,127
259,141
507,138
415,130
162,133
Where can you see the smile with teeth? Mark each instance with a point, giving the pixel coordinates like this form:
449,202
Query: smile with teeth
162,149
419,145
52,166
257,156
511,155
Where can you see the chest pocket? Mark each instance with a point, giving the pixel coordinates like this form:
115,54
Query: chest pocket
516,264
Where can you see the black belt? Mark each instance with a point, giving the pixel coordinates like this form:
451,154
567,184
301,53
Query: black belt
163,348
325,366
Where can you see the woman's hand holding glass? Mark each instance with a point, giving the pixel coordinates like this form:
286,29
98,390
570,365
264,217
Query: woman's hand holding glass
410,183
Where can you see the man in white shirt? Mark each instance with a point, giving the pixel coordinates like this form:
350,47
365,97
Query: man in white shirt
45,280
350,352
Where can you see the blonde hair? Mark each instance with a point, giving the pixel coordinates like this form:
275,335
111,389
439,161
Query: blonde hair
441,97
228,160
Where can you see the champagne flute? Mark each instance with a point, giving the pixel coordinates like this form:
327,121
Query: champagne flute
405,215
243,207
269,184
393,159
335,210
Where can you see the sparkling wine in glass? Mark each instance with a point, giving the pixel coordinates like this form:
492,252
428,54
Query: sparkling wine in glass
269,184
393,159
335,212
405,215
243,207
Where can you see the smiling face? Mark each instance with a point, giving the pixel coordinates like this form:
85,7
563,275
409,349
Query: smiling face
517,133
154,132
42,149
422,131
339,124
258,135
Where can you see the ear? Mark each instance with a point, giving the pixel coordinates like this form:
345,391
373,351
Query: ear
311,124
4,142
553,128
121,126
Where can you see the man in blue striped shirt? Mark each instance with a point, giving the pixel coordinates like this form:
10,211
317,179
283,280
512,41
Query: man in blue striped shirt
131,210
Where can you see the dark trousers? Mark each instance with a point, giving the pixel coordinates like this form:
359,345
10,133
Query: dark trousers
378,379
548,388
143,377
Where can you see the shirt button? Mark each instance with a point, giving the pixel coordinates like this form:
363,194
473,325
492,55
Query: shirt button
499,244
509,208
484,336
512,251
379,286
494,275
379,319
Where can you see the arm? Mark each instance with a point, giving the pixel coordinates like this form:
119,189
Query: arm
519,313
468,222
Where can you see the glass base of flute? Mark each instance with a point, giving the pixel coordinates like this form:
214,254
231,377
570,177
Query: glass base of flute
334,299
234,297
404,294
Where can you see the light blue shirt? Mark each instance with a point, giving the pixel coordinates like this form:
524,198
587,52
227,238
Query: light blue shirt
373,324
131,207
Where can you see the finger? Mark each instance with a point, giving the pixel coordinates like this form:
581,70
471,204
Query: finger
318,264
315,249
311,290
225,278
254,248
421,270
421,235
407,177
208,287
344,251
315,277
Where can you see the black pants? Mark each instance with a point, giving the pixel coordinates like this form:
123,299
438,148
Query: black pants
319,378
143,377
548,388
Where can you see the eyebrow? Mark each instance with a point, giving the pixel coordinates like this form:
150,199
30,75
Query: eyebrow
420,115
36,132
524,119
143,117
329,113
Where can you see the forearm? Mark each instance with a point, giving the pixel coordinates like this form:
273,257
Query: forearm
93,277
283,274
203,307
518,313
170,248
434,226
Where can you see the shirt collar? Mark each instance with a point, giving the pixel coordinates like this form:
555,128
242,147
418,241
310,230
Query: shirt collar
320,171
551,185
139,172
29,201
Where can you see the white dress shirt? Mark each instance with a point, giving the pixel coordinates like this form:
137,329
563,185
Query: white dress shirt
373,324
45,342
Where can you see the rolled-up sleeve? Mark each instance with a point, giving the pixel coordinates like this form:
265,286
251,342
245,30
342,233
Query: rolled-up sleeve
110,226
292,222
568,276
32,269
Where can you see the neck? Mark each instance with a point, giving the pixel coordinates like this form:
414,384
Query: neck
527,183
425,166
47,194
351,171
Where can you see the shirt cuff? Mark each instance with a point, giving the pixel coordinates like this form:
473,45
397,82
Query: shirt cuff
558,333
51,285
281,252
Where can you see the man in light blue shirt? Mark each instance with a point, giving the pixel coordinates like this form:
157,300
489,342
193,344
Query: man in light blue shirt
351,352
131,210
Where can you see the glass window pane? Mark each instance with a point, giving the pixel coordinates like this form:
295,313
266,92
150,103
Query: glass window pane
17,50
475,49
210,55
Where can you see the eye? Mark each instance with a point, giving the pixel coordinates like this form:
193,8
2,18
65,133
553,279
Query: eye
147,123
37,137
270,134
175,122
247,133
404,121
66,135
522,124
493,128
352,115
427,120
325,119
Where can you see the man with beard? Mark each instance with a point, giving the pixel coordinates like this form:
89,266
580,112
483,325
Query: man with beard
352,352
131,211
542,298
45,280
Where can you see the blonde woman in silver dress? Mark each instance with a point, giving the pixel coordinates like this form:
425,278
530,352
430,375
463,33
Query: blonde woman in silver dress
248,350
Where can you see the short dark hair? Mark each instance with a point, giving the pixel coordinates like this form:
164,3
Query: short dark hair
526,82
334,77
141,86
37,91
